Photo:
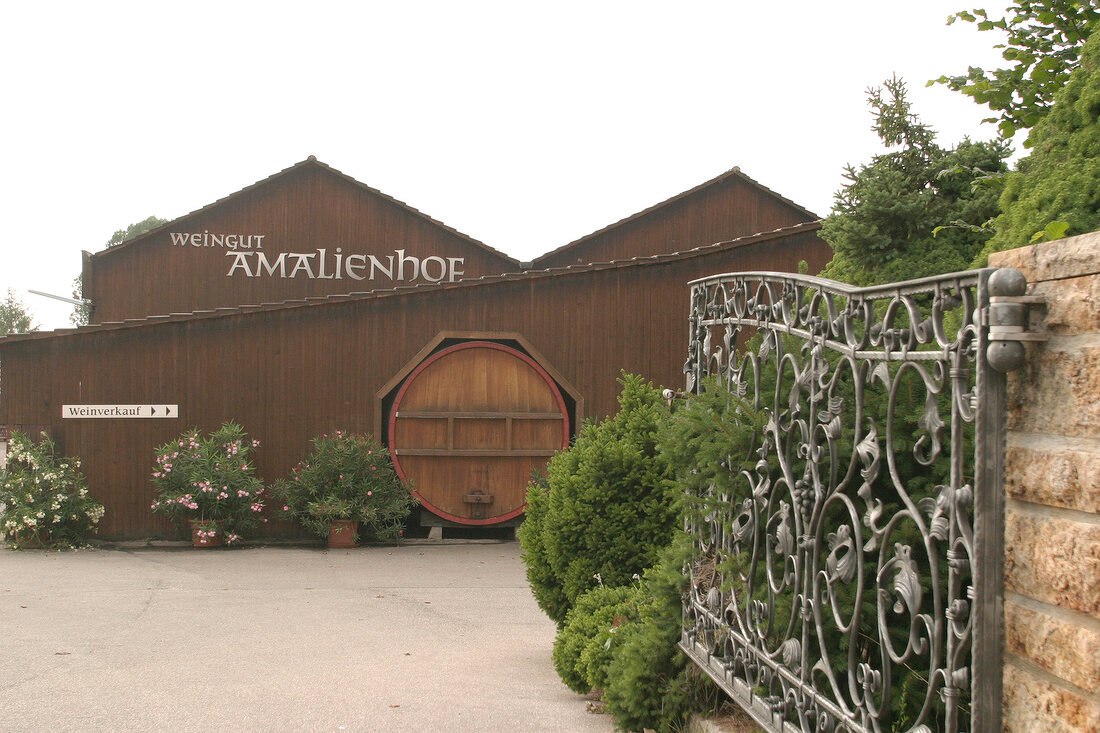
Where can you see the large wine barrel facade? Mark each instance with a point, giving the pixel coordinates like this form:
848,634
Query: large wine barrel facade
468,426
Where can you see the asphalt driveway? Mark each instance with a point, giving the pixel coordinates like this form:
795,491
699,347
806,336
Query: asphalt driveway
422,637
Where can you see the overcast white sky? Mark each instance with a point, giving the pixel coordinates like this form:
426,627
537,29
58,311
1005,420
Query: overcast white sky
524,125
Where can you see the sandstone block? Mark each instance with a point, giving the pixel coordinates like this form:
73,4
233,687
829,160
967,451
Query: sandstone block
1032,704
1072,306
1064,258
1056,390
1060,477
1053,560
1063,648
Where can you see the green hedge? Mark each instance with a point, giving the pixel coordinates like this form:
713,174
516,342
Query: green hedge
606,508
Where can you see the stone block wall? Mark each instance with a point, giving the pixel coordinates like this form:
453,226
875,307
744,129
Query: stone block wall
1052,483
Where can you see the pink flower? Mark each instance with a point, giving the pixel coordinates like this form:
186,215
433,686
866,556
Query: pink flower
286,508
370,493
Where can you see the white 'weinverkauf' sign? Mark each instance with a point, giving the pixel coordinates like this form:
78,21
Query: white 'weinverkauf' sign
119,411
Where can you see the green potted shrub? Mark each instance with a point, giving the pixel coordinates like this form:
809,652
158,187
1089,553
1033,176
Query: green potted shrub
347,487
43,499
210,482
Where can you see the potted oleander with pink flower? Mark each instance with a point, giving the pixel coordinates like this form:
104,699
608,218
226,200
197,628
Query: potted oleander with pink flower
209,483
346,489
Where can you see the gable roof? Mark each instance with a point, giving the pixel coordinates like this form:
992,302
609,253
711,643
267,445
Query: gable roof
310,162
732,173
414,290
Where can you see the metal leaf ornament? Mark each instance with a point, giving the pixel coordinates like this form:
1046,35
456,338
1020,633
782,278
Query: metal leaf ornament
938,510
831,418
766,345
742,528
870,455
933,425
714,600
706,349
906,580
841,562
784,535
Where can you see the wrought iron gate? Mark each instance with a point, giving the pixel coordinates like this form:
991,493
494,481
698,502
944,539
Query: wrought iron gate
854,581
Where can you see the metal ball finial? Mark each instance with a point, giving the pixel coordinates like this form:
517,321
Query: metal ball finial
1005,356
1007,281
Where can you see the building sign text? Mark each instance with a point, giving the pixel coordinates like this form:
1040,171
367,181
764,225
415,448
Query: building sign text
247,258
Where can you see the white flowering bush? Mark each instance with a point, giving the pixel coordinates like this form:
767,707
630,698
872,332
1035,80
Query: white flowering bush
43,498
210,479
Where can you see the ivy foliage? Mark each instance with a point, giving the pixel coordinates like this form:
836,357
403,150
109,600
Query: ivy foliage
915,210
1043,44
1056,190
605,510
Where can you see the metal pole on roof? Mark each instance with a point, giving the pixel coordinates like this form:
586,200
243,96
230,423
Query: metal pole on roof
62,298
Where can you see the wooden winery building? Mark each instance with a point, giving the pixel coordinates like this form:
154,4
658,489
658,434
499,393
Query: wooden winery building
309,302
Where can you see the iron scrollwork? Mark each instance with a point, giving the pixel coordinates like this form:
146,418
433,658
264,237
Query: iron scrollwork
840,589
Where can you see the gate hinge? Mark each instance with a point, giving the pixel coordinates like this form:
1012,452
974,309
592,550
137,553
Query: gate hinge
1008,319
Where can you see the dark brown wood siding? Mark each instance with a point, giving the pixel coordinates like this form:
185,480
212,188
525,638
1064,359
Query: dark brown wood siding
308,208
723,210
289,373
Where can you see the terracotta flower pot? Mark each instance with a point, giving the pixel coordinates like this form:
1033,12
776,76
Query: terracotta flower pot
206,533
343,533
